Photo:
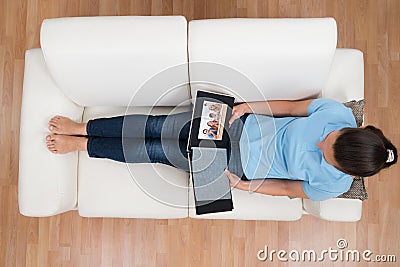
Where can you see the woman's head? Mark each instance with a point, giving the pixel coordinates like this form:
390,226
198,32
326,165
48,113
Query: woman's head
363,151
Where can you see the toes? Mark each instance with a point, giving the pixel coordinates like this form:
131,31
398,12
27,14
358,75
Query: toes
55,118
52,148
54,121
51,143
51,138
52,128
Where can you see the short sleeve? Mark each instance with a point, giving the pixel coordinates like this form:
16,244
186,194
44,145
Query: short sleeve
332,112
316,194
323,104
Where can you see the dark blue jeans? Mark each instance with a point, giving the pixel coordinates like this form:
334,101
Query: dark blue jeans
141,138
152,139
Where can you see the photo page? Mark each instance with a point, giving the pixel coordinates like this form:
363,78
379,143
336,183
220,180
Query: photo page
212,120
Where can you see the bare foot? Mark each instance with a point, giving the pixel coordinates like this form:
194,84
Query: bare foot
62,144
64,125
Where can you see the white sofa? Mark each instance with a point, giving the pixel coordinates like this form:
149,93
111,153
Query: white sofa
106,66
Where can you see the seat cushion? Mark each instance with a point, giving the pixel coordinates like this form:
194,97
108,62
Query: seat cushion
113,189
254,206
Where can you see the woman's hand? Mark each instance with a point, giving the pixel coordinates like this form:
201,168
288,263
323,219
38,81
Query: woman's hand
235,180
238,111
273,187
276,108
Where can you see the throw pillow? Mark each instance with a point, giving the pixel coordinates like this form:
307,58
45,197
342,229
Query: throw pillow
357,188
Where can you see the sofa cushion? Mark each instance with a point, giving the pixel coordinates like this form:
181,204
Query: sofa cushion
256,59
253,206
141,61
112,189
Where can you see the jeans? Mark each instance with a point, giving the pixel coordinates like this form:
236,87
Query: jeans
141,139
153,139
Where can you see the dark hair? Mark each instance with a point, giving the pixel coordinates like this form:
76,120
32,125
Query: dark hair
363,151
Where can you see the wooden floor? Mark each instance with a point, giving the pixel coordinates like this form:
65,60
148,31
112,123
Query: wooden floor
372,26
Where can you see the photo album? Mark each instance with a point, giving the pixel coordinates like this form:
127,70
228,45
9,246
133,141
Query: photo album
207,152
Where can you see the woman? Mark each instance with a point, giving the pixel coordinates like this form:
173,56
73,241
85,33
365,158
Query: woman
318,149
214,124
211,132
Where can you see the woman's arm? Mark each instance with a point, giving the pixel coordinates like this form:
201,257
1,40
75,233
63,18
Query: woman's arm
273,187
277,108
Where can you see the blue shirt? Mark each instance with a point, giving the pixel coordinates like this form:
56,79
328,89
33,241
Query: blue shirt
287,148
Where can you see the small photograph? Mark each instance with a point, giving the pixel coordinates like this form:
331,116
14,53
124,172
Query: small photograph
212,120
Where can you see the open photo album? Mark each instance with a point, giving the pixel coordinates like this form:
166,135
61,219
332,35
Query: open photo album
207,152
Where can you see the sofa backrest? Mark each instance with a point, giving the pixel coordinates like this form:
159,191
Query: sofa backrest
107,61
142,61
259,59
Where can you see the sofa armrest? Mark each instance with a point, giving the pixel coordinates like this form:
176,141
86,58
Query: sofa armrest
345,83
47,182
335,209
